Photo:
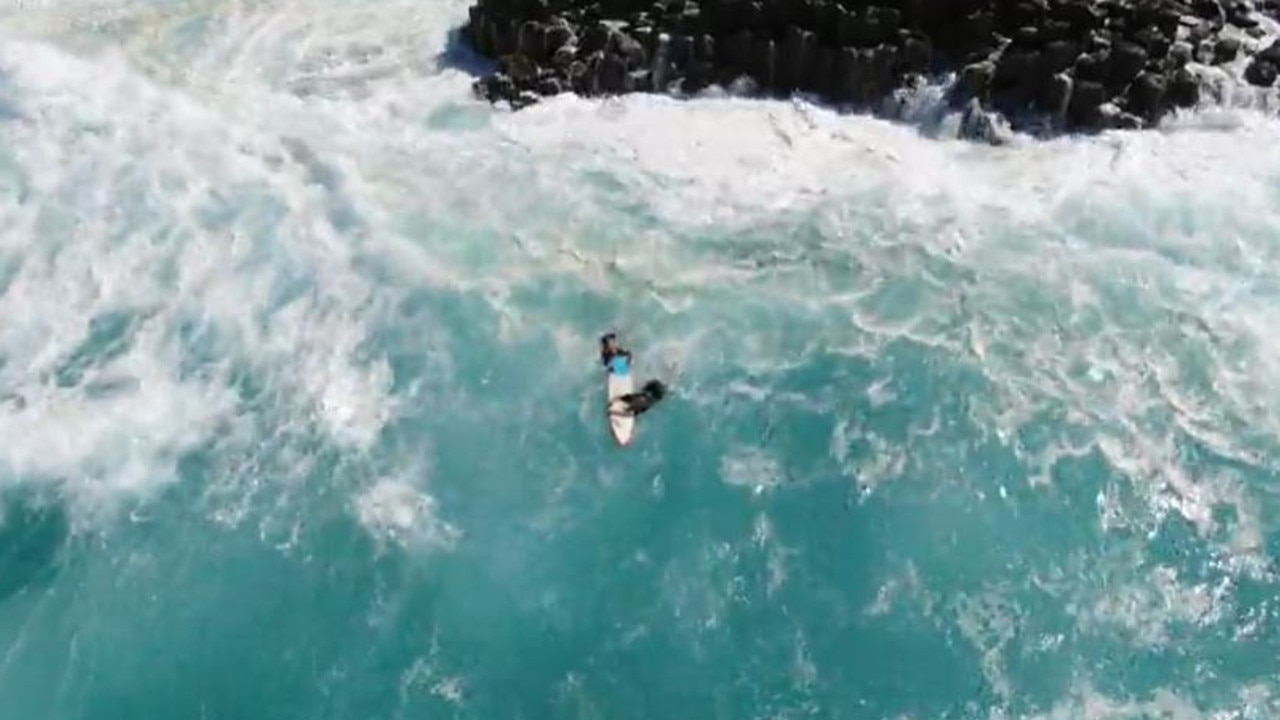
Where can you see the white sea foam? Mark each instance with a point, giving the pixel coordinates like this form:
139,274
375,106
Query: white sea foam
1146,607
1087,703
751,467
130,197
394,511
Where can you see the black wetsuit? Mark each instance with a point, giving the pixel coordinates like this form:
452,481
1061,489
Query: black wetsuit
638,402
645,398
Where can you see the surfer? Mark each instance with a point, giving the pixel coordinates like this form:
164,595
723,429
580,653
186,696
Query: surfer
637,403
618,361
609,349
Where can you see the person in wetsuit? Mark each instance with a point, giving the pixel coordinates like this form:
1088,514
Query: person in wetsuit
648,396
635,403
609,349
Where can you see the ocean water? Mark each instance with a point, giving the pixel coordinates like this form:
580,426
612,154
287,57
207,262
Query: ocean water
302,416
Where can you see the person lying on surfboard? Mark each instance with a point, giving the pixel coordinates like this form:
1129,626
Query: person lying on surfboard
618,360
637,403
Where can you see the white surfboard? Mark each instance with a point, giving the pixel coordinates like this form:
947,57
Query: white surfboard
618,383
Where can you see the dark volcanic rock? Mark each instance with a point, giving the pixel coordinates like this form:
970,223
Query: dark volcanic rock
1209,10
520,68
1055,97
1015,81
1094,66
1225,50
1081,15
975,82
1179,55
1083,65
1086,97
1146,96
1261,72
1127,60
1184,91
1156,42
917,55
628,49
1271,53
1059,55
609,74
550,86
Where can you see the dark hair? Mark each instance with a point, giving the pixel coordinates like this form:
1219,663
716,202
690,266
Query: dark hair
656,389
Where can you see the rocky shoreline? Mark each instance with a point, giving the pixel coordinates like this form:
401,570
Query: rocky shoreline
1055,65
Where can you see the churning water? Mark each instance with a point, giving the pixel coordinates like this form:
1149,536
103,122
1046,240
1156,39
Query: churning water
301,416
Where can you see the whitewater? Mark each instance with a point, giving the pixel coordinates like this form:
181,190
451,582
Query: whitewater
302,415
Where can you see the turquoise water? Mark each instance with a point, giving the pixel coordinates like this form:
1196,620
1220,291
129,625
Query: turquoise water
302,412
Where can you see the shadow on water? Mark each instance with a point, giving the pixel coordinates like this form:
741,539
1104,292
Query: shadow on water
31,534
458,54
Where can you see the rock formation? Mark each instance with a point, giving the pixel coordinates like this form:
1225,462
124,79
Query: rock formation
1070,65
